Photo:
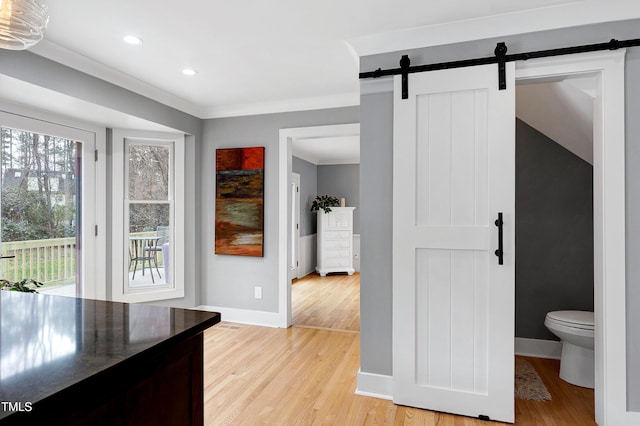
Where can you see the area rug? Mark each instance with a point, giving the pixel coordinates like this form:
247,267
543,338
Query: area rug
529,385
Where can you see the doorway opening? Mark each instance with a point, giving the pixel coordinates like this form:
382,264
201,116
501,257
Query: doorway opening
554,234
607,68
326,159
47,205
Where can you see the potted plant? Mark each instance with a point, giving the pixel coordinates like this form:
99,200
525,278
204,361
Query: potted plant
324,202
24,285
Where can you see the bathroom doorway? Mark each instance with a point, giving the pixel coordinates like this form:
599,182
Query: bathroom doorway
554,231
608,213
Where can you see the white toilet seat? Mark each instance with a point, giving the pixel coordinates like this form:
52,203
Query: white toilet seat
572,319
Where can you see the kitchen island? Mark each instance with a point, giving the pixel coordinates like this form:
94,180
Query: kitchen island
78,361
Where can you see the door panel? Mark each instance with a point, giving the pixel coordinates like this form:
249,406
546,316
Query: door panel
48,173
453,305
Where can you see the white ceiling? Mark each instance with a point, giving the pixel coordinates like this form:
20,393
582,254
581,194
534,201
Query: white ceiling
562,111
255,56
328,150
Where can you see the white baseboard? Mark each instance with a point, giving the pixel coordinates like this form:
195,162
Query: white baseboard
538,348
375,385
244,316
307,253
632,418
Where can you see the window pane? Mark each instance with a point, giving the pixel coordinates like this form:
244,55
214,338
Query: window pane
148,172
149,244
147,217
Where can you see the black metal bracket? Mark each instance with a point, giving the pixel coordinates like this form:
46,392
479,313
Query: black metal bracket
501,55
405,62
484,418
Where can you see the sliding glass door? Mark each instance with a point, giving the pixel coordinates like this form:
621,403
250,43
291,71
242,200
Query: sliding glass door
47,204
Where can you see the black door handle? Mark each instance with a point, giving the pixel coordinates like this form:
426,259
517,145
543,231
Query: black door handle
499,252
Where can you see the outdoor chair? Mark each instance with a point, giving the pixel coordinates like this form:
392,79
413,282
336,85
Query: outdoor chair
162,232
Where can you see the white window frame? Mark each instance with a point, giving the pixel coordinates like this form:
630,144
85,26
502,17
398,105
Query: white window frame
120,291
94,216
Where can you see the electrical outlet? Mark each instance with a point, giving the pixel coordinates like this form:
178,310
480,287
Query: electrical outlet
257,291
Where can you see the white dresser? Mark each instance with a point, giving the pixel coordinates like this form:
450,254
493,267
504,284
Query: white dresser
335,241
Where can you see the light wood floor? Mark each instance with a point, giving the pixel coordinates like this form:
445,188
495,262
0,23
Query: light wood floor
327,302
306,375
569,405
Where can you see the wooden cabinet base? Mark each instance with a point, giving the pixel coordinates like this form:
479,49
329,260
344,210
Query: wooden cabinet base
161,386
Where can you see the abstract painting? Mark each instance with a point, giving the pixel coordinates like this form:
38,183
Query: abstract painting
239,201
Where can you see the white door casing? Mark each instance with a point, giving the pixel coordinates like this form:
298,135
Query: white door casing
609,220
453,305
295,225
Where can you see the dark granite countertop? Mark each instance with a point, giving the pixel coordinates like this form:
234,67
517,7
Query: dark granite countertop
48,343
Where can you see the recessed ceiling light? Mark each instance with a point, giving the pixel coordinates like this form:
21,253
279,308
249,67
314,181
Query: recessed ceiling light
132,39
188,71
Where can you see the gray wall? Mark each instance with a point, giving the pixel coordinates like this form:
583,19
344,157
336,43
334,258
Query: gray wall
342,181
632,221
228,281
376,158
554,231
308,191
34,69
376,197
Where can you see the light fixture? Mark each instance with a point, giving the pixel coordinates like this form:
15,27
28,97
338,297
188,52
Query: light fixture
22,23
189,72
131,39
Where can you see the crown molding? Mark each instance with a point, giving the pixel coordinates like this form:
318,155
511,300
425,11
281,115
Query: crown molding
287,105
64,56
575,13
313,160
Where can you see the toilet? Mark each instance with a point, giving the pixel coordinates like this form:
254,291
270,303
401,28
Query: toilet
575,330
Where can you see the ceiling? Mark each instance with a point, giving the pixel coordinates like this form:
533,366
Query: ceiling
251,56
562,110
328,150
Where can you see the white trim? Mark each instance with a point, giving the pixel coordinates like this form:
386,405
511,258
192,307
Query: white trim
297,104
374,385
120,258
337,162
308,244
538,348
295,271
609,220
356,252
244,316
574,13
284,172
632,419
94,271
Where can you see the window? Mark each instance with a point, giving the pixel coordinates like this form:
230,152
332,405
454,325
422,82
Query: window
148,171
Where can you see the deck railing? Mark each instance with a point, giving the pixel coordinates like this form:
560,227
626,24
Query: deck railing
48,261
51,261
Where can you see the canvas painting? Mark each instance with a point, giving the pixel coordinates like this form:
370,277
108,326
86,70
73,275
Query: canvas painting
239,201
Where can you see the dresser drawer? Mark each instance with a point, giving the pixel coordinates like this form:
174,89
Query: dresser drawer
332,253
333,244
337,262
337,235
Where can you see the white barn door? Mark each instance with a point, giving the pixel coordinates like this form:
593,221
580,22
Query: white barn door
453,303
